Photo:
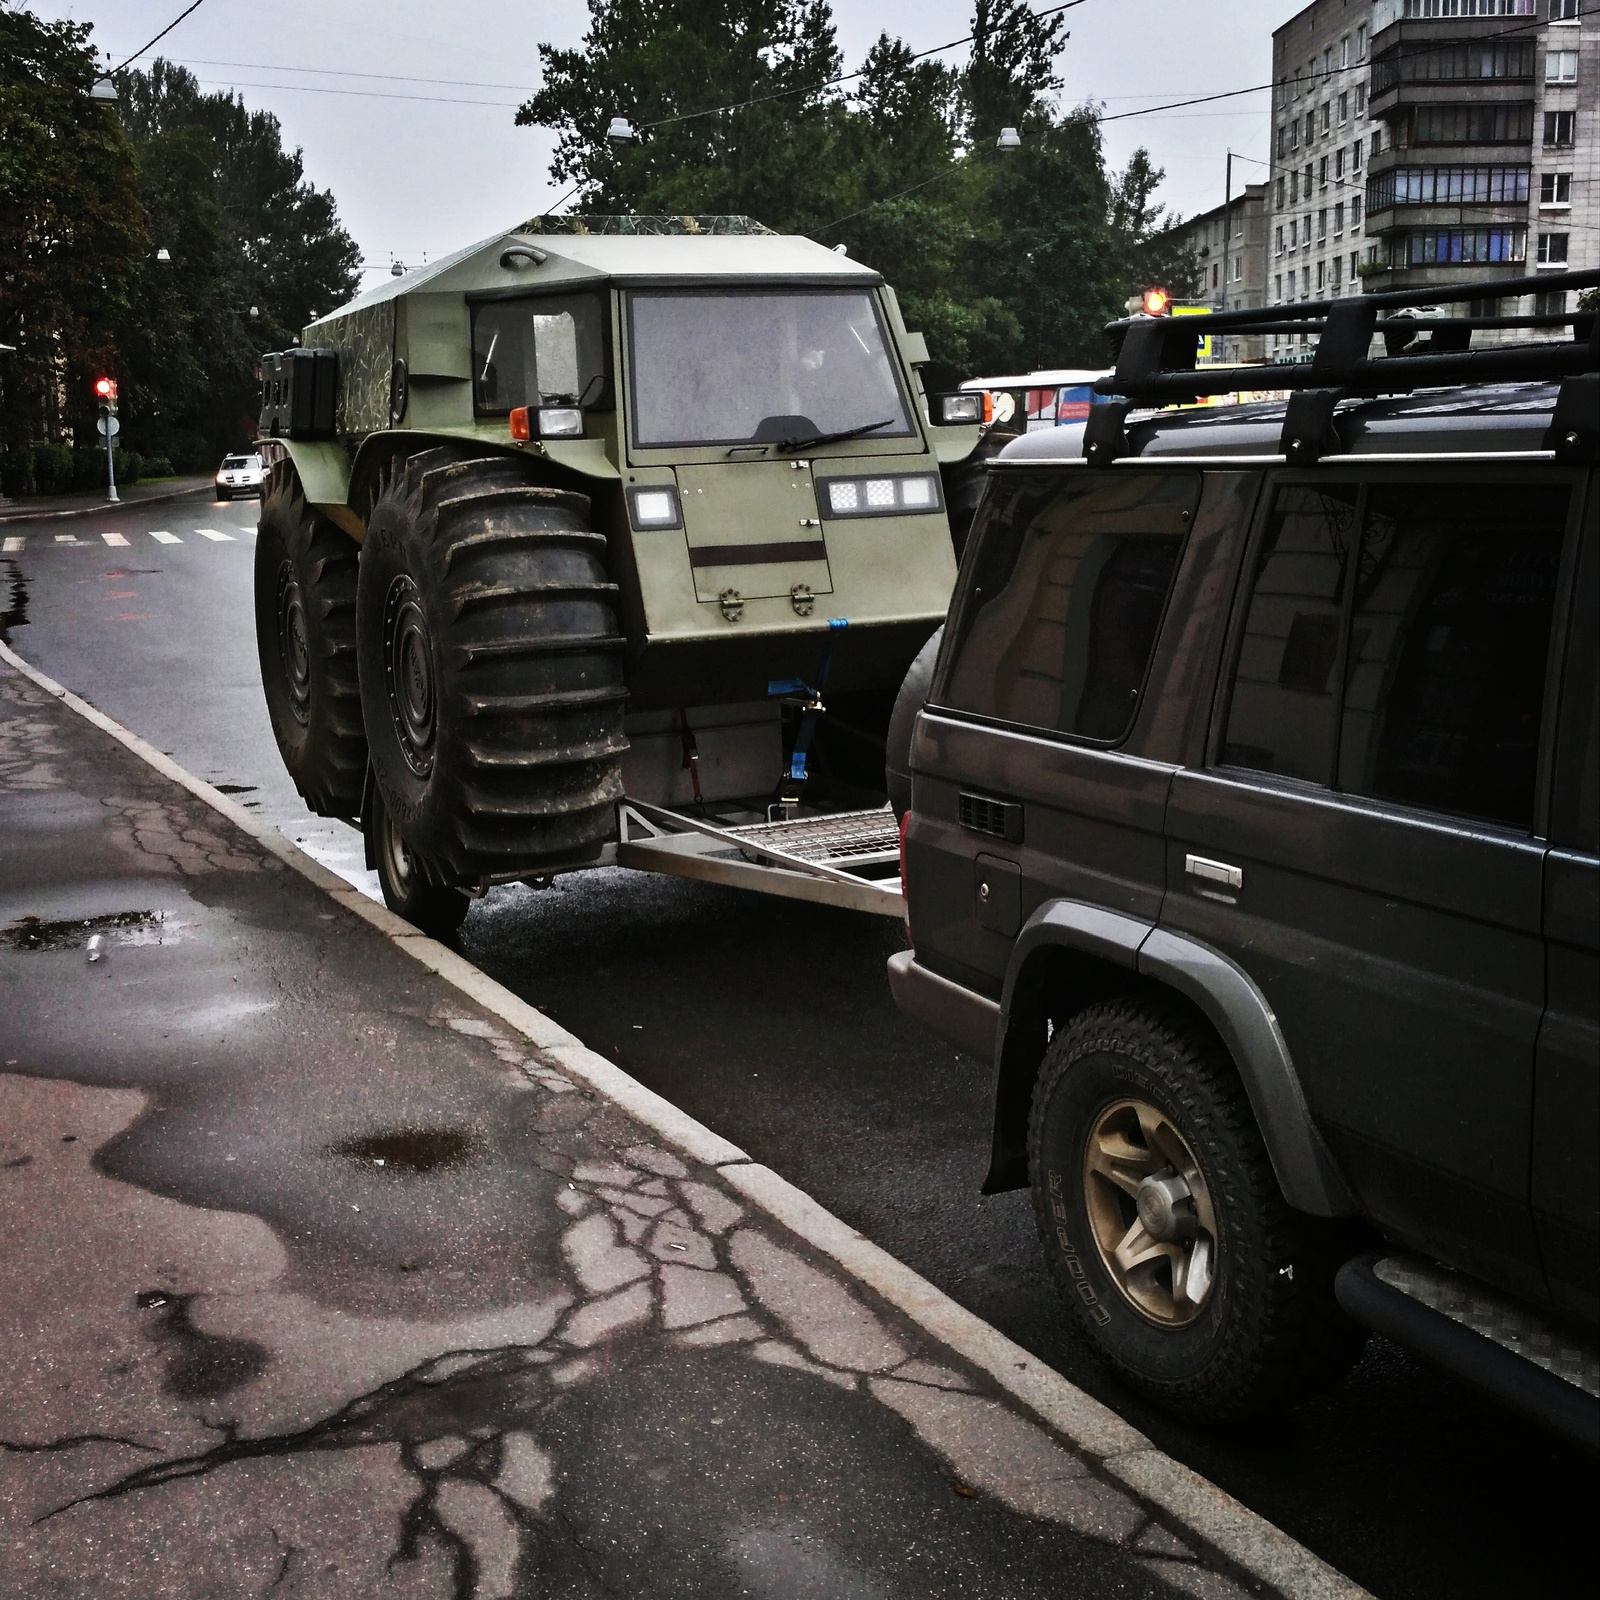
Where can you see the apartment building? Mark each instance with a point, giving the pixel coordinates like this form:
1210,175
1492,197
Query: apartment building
1229,247
1316,193
1425,141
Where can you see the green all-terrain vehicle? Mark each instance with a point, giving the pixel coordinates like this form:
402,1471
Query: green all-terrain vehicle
568,528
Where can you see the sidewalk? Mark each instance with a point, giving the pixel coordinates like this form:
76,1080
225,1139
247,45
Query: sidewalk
329,1268
36,507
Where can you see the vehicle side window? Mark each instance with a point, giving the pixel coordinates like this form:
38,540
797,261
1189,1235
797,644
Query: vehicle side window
1068,586
1444,695
1281,716
544,351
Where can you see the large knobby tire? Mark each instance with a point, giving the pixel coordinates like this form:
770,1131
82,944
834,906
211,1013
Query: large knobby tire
437,909
491,667
1231,1310
305,598
913,696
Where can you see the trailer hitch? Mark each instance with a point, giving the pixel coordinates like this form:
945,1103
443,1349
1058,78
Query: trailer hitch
808,701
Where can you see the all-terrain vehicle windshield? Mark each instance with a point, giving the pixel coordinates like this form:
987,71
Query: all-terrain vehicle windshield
778,368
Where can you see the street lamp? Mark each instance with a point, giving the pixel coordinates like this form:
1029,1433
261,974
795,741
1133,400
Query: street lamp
163,254
106,391
620,131
1009,140
103,89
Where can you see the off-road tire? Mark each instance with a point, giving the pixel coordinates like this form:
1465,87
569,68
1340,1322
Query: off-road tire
406,880
1270,1332
305,601
491,666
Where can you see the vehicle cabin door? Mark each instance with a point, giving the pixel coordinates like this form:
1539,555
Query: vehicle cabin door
1367,838
1566,1093
1037,795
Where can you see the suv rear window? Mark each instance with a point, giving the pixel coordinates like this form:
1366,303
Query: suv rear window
1442,624
1069,579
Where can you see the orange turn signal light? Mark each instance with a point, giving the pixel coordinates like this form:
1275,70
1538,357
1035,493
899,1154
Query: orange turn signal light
519,423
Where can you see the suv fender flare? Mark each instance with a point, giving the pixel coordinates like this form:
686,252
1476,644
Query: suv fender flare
1227,997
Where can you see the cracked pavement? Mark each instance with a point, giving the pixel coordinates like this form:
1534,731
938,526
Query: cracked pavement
316,1281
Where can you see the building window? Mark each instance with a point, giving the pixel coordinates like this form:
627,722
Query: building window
1283,142
1338,162
1322,225
1327,117
1333,273
1294,188
1311,126
1305,280
1327,61
1308,180
1294,235
1344,52
1322,274
1553,303
1355,213
1428,247
1277,241
1377,140
1561,66
1354,254
1355,155
1424,186
1563,10
1338,219
1452,63
1238,269
1322,172
1555,189
1344,108
1279,191
1361,40
1486,122
1277,286
1558,128
1361,99
1553,249
1294,135
1430,10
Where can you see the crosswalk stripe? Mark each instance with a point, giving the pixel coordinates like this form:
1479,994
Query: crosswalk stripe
113,538
163,537
14,543
66,538
213,533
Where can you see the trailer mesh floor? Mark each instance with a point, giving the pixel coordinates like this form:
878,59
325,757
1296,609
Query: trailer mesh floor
844,836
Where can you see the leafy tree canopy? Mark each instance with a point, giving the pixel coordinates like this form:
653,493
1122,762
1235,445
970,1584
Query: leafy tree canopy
1007,263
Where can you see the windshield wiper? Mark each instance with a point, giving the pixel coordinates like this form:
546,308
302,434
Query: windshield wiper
789,446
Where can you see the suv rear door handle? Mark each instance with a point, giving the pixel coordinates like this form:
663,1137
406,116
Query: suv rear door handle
1214,878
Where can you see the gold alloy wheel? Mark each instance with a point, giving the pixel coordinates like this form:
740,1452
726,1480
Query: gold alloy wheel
1150,1212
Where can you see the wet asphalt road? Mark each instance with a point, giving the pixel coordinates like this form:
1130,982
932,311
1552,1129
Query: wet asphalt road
771,1022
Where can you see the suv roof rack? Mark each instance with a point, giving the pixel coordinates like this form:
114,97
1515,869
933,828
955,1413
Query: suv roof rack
1155,361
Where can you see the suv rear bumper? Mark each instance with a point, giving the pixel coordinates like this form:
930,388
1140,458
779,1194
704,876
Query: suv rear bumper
967,1019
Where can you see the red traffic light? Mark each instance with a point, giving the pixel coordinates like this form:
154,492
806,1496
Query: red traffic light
106,388
1156,302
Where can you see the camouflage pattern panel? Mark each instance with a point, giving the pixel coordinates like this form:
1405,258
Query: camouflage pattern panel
364,339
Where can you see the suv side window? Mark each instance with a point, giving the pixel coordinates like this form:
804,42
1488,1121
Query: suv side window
1069,583
1444,697
1443,621
1281,714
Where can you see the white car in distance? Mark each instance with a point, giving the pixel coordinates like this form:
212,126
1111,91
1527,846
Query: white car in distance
240,475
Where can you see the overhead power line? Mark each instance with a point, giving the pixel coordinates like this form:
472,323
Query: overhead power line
157,40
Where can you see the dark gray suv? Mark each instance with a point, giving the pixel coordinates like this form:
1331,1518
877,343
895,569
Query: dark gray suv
1253,832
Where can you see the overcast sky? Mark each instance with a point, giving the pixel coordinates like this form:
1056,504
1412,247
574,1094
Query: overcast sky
418,172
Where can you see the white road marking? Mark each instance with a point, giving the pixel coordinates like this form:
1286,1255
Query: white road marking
212,533
14,542
161,536
113,538
66,538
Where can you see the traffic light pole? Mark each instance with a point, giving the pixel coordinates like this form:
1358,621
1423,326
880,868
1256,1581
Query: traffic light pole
111,469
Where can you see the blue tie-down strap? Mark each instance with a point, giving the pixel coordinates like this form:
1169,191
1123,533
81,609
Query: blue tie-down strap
789,686
802,743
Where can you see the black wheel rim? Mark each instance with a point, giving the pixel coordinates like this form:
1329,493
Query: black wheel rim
294,649
409,675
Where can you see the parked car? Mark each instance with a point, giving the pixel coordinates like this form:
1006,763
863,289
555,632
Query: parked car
1254,831
240,475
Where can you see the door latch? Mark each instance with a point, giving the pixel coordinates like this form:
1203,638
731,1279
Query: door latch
1216,880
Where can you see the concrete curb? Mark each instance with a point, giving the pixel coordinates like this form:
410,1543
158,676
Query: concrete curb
91,511
1183,1496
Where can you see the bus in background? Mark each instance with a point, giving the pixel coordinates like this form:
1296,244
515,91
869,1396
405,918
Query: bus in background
1029,401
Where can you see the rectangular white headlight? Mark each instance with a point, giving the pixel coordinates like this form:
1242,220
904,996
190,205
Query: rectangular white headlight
655,507
899,494
919,494
953,409
560,422
844,496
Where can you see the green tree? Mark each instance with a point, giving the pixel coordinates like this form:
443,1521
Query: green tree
71,232
256,252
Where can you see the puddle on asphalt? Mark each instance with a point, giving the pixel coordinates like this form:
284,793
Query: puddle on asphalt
15,614
236,788
133,927
200,1366
410,1149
